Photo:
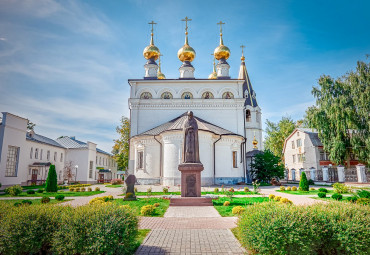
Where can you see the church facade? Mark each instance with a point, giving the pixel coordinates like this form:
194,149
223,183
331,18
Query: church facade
226,111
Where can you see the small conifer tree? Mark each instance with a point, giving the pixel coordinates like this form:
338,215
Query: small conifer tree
303,183
51,181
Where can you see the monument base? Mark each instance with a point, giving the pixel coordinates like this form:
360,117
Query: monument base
191,201
190,179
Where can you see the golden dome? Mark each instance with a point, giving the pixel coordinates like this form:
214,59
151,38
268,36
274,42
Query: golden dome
254,142
222,51
186,53
151,51
161,76
212,76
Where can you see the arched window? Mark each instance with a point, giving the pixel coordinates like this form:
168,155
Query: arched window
187,95
248,116
227,95
146,95
166,95
207,95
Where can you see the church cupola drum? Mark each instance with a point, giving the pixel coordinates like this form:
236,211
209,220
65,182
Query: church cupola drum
151,53
186,54
222,53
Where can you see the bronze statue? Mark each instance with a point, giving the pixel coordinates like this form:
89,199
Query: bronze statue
190,152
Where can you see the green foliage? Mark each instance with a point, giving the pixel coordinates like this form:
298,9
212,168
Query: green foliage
17,204
266,166
311,182
129,195
294,188
363,193
332,228
282,188
321,194
341,188
323,190
26,202
136,205
51,184
45,200
121,145
238,210
216,190
303,183
352,199
40,190
363,201
226,203
246,189
147,210
165,190
59,197
14,190
31,191
226,210
276,135
341,114
97,189
337,196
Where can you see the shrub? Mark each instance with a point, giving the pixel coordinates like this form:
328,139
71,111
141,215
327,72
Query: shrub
303,183
89,189
147,210
116,181
352,199
72,189
51,184
337,196
363,193
363,201
232,189
270,228
271,196
97,189
246,189
77,189
82,189
101,200
26,202
79,185
282,188
165,190
135,189
321,194
14,190
238,210
323,190
216,190
288,188
127,207
40,191
312,188
341,188
30,192
294,188
226,203
129,195
311,182
59,197
156,204
284,200
17,204
45,200
277,198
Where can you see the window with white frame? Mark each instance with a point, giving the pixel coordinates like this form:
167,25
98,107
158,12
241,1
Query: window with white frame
293,145
300,158
61,157
55,156
99,160
293,158
48,155
235,159
140,160
31,152
299,143
91,169
12,161
41,154
36,153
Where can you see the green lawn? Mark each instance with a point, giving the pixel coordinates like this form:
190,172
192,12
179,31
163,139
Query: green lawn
114,186
34,201
140,202
179,193
53,194
311,192
139,239
226,211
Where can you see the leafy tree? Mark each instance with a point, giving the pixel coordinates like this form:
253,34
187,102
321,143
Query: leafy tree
51,180
121,145
277,133
303,183
68,172
266,166
30,126
341,114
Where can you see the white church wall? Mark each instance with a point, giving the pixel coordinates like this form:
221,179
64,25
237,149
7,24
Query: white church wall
80,158
172,149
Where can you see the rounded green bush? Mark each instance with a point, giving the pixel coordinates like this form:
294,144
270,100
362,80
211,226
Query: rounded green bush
288,188
45,200
238,210
363,201
312,188
40,191
97,189
363,193
321,194
59,197
30,192
17,204
337,196
294,188
246,189
351,199
14,190
216,190
323,190
282,188
311,182
147,210
27,202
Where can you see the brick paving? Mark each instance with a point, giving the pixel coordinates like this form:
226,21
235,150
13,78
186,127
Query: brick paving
191,212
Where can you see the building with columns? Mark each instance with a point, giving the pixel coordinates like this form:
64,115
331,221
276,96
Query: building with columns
225,108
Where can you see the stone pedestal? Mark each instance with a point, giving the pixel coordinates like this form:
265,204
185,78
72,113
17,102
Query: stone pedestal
191,179
325,174
341,176
361,175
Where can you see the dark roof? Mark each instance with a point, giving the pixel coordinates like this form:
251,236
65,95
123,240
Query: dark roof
73,143
248,92
178,124
313,135
252,153
42,139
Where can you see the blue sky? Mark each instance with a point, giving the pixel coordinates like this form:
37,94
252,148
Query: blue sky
64,64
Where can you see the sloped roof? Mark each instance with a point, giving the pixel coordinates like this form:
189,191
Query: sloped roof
248,92
73,143
178,124
313,135
42,139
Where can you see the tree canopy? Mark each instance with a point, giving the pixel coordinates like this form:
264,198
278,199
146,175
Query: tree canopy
341,114
121,145
266,166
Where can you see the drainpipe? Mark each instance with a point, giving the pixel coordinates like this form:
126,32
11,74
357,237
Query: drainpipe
214,159
242,156
245,147
160,159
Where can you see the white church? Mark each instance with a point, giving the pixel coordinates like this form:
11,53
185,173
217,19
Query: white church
225,108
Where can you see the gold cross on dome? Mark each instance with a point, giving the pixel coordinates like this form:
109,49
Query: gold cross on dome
186,23
152,23
220,23
242,46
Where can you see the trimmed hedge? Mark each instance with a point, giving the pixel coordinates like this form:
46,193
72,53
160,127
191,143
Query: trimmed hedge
48,229
323,190
332,228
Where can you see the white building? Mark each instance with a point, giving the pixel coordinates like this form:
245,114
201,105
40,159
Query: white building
25,156
225,109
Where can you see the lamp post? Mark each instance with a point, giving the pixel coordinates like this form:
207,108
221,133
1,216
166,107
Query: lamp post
76,166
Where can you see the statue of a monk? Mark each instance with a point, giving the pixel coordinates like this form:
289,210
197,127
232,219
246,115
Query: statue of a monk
190,152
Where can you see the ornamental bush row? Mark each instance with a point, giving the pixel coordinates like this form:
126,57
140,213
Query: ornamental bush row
333,228
44,229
